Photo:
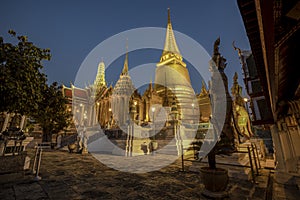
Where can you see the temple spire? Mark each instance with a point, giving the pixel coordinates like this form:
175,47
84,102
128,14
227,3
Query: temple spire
150,85
170,42
171,51
100,78
169,16
125,67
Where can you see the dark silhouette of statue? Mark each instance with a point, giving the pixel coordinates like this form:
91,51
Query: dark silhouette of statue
216,46
219,60
219,85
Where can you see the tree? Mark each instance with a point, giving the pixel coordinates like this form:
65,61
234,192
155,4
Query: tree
52,114
24,89
20,76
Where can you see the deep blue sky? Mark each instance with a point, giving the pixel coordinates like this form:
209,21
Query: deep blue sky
71,29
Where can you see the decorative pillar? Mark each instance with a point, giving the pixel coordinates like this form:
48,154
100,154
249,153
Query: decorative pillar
126,110
90,115
22,122
82,114
129,140
278,151
147,110
122,110
101,115
95,114
140,112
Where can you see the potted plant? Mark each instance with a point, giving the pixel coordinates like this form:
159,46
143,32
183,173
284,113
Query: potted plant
215,179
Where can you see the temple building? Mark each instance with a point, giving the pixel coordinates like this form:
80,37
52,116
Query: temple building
274,33
114,106
253,84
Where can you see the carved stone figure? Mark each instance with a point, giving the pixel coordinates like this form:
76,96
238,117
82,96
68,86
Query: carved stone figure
240,115
219,85
219,60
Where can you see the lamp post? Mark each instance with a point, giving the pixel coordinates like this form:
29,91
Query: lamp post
97,112
135,114
153,111
153,143
110,119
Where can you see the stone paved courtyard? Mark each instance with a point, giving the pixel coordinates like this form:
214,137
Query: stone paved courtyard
76,176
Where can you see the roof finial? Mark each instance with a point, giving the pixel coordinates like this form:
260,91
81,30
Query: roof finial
203,84
235,77
125,68
169,17
150,84
236,48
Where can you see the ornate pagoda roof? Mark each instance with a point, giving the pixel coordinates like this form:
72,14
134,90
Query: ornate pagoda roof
124,86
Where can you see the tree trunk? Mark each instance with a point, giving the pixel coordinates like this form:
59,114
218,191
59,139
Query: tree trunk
47,136
212,159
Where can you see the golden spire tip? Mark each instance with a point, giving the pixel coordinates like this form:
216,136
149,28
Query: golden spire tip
169,17
125,68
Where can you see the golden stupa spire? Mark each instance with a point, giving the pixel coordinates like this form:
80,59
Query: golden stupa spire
169,16
171,51
235,78
125,67
100,78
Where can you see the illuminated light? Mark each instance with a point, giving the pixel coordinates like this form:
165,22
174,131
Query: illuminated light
153,109
246,99
80,105
135,103
98,103
109,109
